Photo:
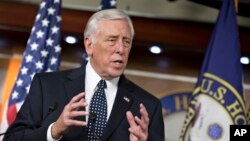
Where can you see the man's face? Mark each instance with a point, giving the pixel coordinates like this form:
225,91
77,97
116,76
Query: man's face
110,51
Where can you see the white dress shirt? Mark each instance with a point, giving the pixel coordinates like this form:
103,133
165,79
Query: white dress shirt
91,81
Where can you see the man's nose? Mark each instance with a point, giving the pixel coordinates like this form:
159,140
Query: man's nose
120,46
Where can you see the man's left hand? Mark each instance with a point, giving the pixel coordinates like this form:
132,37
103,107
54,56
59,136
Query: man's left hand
138,126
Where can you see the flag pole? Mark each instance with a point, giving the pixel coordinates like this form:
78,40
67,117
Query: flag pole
12,71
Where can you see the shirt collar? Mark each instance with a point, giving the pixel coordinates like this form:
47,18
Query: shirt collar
92,78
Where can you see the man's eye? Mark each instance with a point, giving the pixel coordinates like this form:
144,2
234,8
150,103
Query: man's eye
126,43
111,40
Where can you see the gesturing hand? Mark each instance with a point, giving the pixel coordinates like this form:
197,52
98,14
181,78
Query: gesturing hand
138,126
67,117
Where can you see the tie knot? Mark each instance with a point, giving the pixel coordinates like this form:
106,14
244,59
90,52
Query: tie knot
102,84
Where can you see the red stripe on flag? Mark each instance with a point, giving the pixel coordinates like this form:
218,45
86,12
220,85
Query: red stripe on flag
11,113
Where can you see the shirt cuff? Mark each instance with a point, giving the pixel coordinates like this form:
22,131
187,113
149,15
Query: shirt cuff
49,136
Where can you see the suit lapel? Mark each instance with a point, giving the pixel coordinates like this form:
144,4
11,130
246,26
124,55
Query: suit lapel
75,85
123,101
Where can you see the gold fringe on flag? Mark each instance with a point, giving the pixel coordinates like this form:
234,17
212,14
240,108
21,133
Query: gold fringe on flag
236,3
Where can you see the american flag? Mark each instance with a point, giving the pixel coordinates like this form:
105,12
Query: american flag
107,4
42,53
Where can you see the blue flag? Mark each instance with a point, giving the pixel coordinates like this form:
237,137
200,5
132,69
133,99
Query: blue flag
107,4
217,100
42,53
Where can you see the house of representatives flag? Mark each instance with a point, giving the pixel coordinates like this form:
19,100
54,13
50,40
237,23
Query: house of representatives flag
217,100
42,54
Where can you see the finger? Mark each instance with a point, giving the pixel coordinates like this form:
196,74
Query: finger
76,102
77,113
76,123
133,135
144,114
143,125
77,105
142,130
77,98
138,121
131,119
143,122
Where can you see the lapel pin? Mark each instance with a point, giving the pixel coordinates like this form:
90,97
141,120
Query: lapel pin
126,99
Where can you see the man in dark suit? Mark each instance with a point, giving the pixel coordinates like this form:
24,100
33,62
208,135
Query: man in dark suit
60,104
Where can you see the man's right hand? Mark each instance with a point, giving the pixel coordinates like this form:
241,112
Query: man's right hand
67,117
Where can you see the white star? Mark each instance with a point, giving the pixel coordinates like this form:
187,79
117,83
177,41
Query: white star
33,29
34,46
39,34
38,17
44,53
56,1
113,2
42,5
58,18
27,88
15,95
28,41
48,70
58,48
54,29
51,11
39,65
32,75
49,42
45,22
53,61
24,70
29,58
19,82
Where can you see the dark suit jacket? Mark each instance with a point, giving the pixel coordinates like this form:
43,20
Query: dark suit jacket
60,87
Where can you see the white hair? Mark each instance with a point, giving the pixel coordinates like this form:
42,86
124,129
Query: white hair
109,14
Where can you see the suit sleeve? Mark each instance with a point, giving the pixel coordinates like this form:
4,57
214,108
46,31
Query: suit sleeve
156,126
30,114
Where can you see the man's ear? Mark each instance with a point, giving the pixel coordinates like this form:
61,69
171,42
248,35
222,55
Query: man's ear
88,46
